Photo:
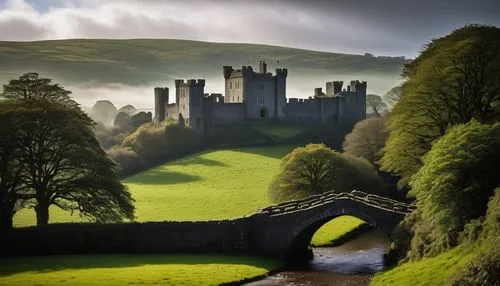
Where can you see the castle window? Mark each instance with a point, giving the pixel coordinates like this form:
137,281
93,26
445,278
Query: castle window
230,85
261,99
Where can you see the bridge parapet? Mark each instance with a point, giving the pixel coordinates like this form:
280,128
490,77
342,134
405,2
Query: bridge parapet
329,197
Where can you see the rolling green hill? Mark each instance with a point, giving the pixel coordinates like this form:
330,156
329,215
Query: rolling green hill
153,61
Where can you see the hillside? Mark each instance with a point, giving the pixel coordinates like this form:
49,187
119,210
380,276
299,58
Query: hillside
149,62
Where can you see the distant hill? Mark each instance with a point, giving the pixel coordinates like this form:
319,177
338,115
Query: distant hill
159,61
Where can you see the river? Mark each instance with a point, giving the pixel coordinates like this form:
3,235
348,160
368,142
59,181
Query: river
352,263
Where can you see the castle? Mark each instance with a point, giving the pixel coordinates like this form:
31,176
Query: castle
251,95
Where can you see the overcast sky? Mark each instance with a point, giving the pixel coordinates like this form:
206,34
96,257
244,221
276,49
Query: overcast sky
384,27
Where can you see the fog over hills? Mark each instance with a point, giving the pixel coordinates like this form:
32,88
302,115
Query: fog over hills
125,71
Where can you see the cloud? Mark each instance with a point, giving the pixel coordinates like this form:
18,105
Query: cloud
387,27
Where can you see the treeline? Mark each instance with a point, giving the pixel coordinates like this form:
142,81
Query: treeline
444,144
440,140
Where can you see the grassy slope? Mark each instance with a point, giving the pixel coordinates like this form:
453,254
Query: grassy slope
147,61
131,269
211,185
429,271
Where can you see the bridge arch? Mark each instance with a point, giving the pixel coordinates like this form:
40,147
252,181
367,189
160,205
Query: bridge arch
291,225
299,246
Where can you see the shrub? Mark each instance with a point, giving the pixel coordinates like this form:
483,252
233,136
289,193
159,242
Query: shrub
483,270
130,162
316,169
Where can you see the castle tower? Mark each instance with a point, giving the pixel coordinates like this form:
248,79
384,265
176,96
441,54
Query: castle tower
280,78
189,96
337,86
161,102
262,67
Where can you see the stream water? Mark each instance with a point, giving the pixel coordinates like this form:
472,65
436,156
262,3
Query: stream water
352,263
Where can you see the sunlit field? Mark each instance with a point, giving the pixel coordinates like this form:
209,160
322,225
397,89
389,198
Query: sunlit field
219,184
131,269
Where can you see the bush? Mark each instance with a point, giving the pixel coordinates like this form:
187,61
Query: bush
483,270
130,162
454,184
154,143
316,169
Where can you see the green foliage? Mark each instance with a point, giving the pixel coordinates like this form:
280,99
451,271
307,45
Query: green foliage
483,270
367,139
130,162
454,80
30,87
157,142
60,160
491,226
64,164
315,169
375,105
457,178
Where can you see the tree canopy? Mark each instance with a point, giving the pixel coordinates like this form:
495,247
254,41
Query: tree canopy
58,155
375,105
367,139
455,79
392,96
458,177
315,169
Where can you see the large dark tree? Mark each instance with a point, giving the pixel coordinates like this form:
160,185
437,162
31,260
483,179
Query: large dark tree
455,79
32,87
63,164
10,168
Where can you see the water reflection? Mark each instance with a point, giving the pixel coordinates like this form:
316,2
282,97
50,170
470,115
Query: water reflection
352,263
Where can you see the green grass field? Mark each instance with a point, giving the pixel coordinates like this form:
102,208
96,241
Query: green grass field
335,229
280,131
217,184
429,271
131,269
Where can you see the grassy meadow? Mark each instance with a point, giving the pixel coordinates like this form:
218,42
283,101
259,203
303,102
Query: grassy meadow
217,184
132,269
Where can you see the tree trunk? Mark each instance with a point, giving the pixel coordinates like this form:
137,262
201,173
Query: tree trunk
42,212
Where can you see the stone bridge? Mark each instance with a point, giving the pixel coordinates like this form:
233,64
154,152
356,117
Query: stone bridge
281,231
286,229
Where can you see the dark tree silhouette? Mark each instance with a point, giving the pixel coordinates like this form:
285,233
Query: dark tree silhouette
63,164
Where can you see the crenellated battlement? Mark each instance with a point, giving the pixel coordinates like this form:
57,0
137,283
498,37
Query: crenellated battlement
189,82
